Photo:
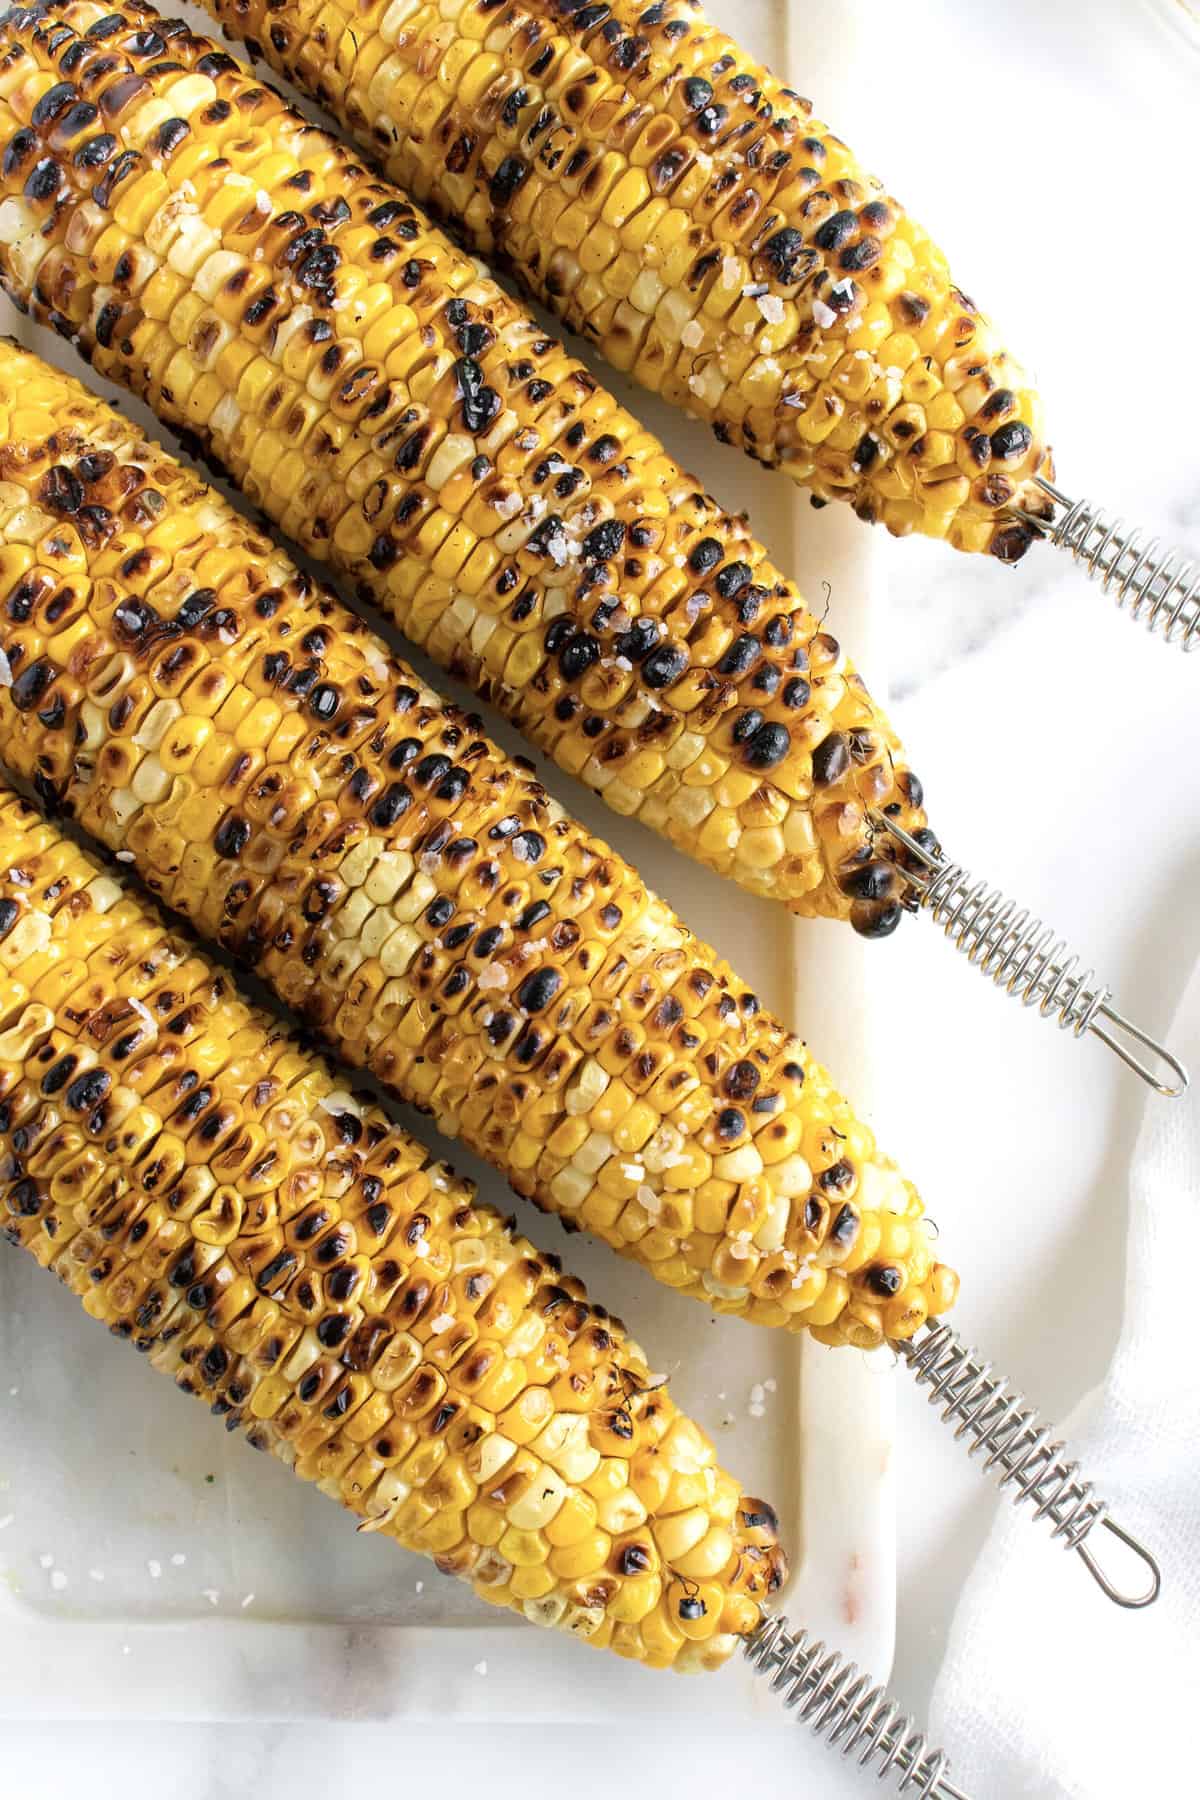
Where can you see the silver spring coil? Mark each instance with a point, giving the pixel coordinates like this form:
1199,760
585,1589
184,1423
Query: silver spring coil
1159,587
1015,950
1023,957
1003,1427
847,1710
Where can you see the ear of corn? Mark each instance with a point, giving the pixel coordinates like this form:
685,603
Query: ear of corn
669,198
214,716
398,415
300,1264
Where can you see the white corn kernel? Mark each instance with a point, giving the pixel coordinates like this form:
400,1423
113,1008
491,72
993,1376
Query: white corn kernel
583,1621
881,1190
570,1189
399,950
541,1501
308,1351
150,781
742,1164
17,1042
375,931
773,1230
791,1177
623,1512
420,892
454,450
392,872
391,1491
394,17
352,914
593,1153
192,244
157,722
215,271
104,892
190,93
546,1611
590,1082
492,1453
721,1290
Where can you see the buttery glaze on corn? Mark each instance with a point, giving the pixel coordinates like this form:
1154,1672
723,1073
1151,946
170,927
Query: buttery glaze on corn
400,416
213,715
668,197
299,1263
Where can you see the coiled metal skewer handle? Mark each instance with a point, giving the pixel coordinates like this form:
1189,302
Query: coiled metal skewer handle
1022,955
1159,587
844,1707
1008,1432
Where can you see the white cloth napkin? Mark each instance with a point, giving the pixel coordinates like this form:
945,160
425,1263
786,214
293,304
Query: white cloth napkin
1075,1236
1047,1688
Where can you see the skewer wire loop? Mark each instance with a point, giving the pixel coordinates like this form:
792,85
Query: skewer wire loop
1002,1427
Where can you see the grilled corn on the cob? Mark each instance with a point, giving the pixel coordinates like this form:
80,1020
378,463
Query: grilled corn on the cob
668,197
298,1262
397,414
209,712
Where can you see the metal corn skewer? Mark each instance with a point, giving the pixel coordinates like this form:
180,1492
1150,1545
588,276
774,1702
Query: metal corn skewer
839,1701
1003,1427
1022,955
847,1710
1160,587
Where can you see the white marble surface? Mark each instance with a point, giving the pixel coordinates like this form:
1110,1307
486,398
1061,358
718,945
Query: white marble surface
1050,147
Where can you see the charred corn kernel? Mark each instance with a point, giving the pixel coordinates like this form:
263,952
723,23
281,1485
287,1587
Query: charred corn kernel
336,1281
345,831
701,1611
617,614
776,297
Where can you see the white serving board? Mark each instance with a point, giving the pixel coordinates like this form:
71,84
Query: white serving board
105,1470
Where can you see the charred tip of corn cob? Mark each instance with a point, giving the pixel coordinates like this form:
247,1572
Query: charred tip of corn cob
212,714
398,415
674,202
300,1264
